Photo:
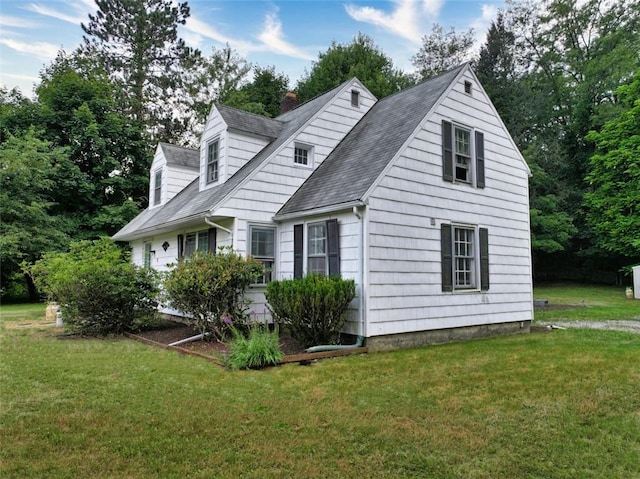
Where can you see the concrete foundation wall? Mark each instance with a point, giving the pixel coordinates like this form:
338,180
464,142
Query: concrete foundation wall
438,336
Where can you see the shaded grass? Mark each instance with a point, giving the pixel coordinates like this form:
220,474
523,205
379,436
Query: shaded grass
590,303
564,404
27,312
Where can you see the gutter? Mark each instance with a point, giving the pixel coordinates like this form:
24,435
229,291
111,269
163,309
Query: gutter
318,211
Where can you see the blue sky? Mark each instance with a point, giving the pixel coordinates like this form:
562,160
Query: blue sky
286,34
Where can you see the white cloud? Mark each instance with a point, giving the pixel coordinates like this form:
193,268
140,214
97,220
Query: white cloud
16,22
41,50
205,30
405,20
481,25
273,38
76,19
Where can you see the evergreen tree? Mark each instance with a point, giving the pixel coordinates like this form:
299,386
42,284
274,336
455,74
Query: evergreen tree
137,43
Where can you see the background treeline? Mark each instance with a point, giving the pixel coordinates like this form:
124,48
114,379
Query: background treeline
564,77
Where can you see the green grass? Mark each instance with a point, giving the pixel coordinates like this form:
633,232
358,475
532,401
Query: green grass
591,303
563,404
22,312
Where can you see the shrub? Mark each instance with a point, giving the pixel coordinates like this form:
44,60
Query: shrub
258,350
210,288
99,290
313,308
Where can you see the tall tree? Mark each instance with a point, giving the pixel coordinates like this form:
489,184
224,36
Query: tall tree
441,51
361,58
613,199
137,42
108,153
262,95
27,189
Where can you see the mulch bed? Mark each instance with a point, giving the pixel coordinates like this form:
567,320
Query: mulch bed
170,331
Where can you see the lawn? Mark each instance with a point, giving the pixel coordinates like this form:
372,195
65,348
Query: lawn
589,303
562,404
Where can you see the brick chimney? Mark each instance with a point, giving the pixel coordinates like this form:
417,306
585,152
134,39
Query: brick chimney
289,102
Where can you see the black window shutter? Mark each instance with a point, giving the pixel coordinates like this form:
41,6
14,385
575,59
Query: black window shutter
180,246
333,247
484,259
446,257
212,239
447,151
298,245
479,159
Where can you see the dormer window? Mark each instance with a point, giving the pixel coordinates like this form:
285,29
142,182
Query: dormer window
157,187
355,98
303,155
212,161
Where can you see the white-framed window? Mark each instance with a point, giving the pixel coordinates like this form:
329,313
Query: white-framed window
464,258
196,241
462,152
317,249
263,248
157,187
463,155
355,98
303,155
147,255
213,152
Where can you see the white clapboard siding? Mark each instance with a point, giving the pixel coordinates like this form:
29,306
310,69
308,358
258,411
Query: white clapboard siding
350,231
409,204
177,179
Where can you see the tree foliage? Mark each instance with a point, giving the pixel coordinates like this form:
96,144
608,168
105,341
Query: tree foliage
613,199
27,188
263,95
361,58
137,43
442,51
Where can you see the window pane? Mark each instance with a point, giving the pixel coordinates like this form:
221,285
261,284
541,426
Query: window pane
190,244
317,265
464,258
212,162
317,240
463,142
262,242
301,156
203,241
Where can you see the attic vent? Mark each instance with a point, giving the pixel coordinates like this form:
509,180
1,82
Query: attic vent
355,98
467,87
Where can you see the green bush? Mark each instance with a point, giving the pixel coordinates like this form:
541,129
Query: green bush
258,350
313,308
99,290
209,288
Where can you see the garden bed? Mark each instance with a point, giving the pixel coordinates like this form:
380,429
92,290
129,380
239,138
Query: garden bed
171,331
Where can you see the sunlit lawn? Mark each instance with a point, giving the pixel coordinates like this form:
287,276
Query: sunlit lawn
592,303
564,404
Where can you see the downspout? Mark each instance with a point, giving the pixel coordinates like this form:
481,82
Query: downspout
360,338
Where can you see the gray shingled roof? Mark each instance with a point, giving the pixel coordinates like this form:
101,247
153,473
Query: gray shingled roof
355,164
181,156
191,203
250,122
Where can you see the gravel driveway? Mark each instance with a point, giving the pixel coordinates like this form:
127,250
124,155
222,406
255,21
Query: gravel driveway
627,326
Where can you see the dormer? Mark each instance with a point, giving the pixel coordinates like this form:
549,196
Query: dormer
230,139
172,169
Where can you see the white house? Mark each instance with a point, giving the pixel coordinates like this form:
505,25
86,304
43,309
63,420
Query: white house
421,198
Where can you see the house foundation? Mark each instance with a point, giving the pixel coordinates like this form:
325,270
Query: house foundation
438,336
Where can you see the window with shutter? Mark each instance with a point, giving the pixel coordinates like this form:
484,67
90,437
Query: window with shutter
464,258
462,155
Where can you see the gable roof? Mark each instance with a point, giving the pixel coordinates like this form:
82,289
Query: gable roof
181,156
250,122
354,165
191,204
